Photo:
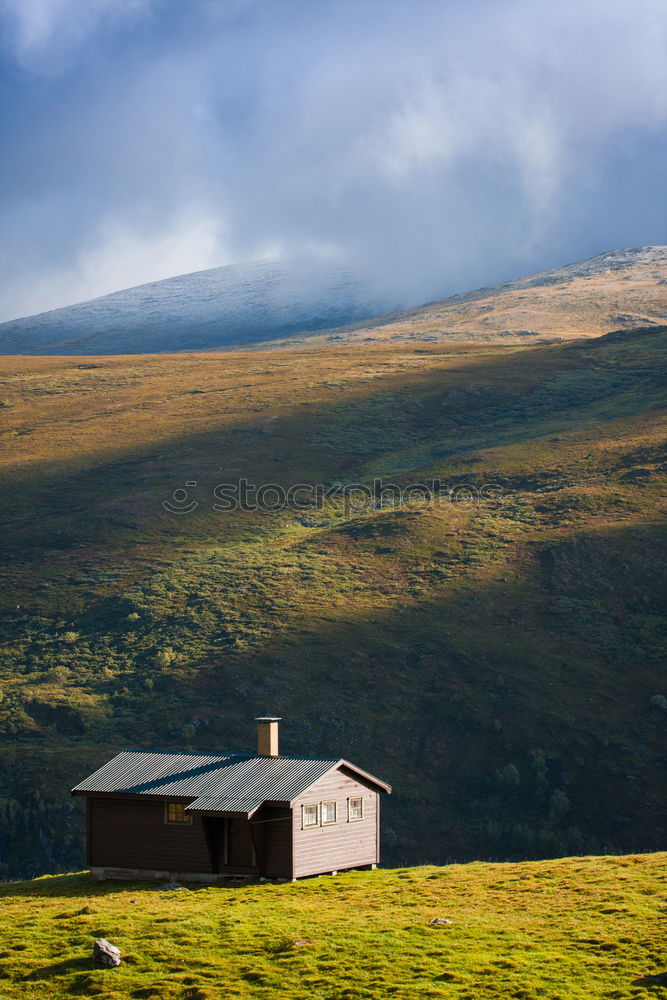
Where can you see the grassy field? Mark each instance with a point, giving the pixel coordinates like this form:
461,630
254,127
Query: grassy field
573,929
501,664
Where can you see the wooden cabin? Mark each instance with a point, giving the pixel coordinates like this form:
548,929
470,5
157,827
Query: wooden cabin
206,817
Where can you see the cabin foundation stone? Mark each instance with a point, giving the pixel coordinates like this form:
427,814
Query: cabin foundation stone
155,875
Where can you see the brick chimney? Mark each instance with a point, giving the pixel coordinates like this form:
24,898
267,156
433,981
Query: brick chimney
267,736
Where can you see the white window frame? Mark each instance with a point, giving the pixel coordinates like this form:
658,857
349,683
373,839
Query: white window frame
329,822
310,805
350,817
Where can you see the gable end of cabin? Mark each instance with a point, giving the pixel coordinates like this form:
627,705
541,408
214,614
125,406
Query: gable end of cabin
336,824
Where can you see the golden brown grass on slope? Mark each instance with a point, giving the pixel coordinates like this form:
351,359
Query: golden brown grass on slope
565,308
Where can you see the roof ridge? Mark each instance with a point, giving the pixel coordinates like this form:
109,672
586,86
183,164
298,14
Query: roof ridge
227,753
192,753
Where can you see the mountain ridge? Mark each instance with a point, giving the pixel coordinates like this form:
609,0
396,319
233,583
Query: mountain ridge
585,298
271,304
198,310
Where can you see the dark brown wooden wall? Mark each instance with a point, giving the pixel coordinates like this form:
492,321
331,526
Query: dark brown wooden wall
133,834
272,829
345,845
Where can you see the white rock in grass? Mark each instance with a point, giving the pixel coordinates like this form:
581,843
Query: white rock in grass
106,954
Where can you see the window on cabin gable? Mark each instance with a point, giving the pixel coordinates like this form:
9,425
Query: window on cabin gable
174,812
310,815
355,808
328,813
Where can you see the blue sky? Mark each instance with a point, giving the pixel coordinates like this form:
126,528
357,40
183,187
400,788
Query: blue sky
435,145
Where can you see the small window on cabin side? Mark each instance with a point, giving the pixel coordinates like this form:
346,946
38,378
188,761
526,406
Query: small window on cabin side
355,808
174,812
310,815
328,813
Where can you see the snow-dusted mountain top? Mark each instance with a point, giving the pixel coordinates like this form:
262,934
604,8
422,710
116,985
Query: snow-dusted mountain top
609,262
613,260
236,304
268,300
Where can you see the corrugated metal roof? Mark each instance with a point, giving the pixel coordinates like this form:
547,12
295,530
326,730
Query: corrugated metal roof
222,783
148,772
221,777
206,804
267,778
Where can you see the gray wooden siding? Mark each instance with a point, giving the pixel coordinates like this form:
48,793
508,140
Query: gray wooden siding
345,845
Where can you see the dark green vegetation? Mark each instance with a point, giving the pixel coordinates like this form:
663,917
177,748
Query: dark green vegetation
579,928
501,664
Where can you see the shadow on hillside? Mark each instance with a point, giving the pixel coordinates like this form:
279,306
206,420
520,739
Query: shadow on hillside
110,503
434,695
64,968
649,981
76,886
81,887
437,694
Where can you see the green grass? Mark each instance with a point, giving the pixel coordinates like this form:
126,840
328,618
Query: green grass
574,929
436,647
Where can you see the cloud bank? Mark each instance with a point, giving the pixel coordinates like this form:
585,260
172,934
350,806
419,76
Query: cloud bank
436,146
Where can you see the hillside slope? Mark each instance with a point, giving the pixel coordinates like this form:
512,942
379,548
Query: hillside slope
582,928
618,290
236,304
292,303
499,661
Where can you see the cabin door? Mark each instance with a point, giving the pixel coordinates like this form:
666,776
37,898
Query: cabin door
216,837
240,850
